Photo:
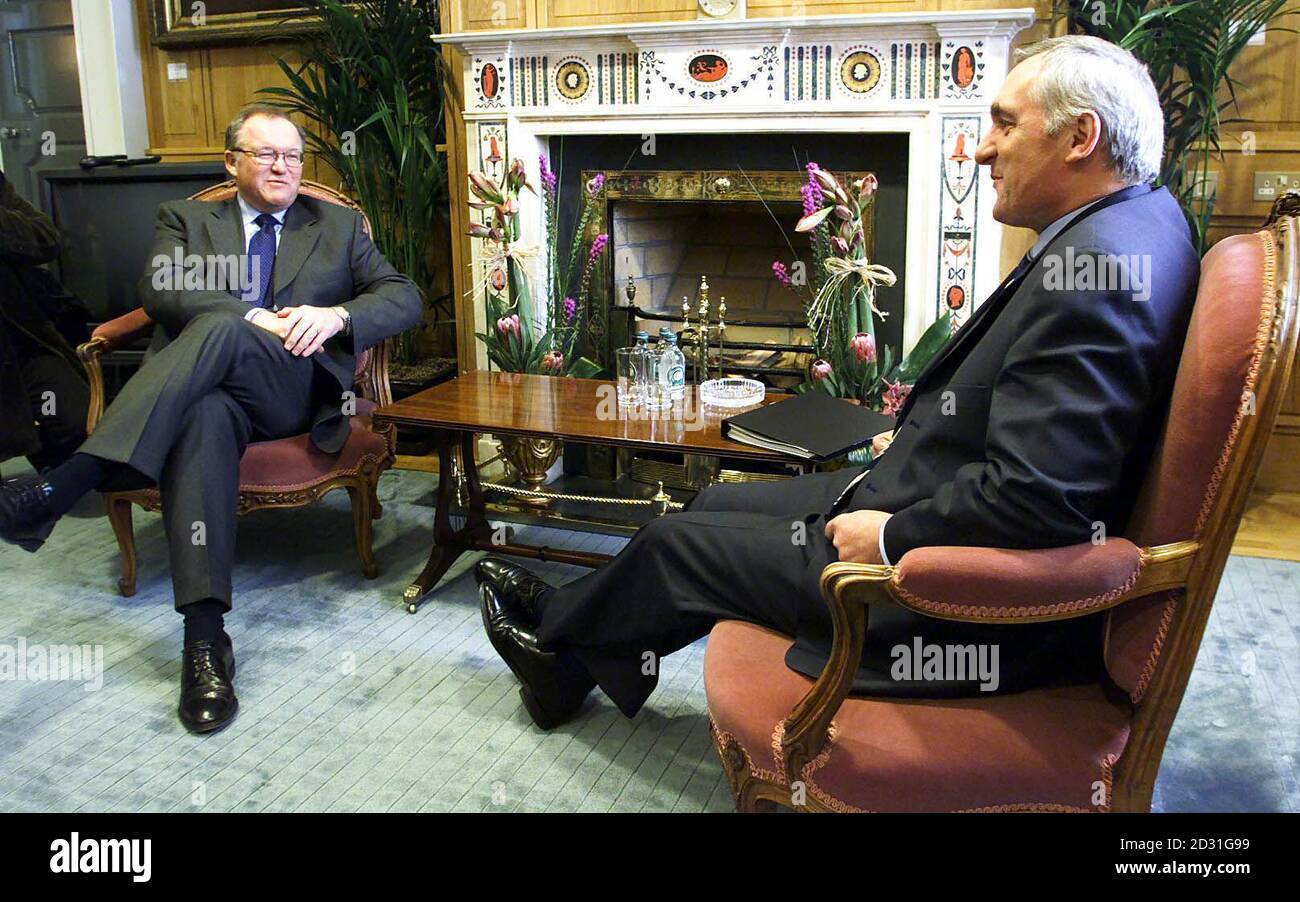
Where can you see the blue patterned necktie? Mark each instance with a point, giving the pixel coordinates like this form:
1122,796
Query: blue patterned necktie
262,250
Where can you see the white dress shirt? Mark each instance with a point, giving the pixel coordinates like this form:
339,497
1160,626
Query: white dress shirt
1044,238
247,216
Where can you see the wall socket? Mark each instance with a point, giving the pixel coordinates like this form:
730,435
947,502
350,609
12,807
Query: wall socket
1271,185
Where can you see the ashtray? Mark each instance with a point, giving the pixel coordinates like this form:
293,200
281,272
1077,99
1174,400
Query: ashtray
732,391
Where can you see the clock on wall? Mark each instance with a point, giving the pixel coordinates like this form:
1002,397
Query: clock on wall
720,9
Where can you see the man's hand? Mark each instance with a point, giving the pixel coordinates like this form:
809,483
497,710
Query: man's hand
881,442
309,328
856,536
265,319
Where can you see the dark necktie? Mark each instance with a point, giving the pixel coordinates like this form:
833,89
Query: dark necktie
261,259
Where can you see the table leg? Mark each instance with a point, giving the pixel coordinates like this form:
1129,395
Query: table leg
449,544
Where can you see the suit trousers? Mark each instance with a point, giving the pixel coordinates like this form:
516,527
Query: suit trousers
183,421
755,552
738,551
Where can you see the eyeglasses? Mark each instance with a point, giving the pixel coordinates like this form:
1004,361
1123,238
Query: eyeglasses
267,157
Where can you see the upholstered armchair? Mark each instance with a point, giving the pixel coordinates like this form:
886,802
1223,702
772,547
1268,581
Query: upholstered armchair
787,740
287,472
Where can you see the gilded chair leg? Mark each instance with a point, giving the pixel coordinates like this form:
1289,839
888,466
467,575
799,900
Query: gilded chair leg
119,515
361,525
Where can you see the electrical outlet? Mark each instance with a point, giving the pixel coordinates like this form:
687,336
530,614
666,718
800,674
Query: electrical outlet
1271,185
1206,187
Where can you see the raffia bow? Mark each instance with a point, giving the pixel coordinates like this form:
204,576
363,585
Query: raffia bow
839,270
498,254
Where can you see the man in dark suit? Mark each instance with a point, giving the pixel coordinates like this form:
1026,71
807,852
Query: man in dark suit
1031,428
43,390
261,349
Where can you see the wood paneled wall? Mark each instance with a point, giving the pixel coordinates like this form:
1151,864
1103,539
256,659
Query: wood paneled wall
188,115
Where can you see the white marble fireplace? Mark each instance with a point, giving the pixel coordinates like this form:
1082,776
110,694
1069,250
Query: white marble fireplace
929,76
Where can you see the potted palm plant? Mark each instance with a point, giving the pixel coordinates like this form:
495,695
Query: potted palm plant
372,84
1188,48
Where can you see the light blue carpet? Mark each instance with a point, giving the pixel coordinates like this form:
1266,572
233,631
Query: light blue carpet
350,704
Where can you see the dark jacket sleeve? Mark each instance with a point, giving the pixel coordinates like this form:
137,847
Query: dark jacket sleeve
1063,414
161,290
26,234
384,301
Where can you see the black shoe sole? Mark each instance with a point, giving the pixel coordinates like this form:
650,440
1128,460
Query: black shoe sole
543,718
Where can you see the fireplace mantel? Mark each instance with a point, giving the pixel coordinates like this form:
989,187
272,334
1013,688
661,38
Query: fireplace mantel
929,75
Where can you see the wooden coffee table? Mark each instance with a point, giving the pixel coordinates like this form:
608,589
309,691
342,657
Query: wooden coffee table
575,410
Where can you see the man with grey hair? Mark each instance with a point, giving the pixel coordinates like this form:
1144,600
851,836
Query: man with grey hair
265,356
1031,428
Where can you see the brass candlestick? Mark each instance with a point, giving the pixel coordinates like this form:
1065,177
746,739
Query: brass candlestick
702,346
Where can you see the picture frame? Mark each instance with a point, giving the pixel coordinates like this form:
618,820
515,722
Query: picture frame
196,23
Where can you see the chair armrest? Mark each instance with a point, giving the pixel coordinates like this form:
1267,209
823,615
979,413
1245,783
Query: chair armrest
374,379
978,585
109,336
123,330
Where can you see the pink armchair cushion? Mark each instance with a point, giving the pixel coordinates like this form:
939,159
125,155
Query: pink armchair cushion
974,583
295,463
1038,750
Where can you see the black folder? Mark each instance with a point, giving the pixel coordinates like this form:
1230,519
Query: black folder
813,426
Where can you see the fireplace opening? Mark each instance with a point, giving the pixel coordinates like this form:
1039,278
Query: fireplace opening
666,242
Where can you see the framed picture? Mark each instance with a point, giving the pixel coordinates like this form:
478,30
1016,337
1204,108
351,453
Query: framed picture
191,23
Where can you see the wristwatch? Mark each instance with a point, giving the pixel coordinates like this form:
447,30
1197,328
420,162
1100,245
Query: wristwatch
346,317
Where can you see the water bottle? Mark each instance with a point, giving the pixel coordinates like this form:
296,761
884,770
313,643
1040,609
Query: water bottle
672,367
642,366
652,390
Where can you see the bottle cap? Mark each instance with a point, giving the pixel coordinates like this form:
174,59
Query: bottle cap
643,335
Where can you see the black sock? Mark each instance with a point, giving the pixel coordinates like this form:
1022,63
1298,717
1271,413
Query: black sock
203,620
74,478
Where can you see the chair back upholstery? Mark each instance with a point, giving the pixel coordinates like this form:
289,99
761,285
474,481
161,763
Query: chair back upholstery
224,191
1235,368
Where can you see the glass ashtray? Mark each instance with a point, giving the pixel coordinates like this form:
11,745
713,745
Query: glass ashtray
732,391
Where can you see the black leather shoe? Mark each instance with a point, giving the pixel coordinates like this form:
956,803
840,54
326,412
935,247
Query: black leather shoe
517,587
552,692
208,700
26,518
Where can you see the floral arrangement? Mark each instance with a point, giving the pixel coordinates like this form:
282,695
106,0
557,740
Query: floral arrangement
513,343
840,300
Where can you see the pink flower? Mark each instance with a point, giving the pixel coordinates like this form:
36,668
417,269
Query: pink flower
841,246
779,270
508,325
820,370
893,398
864,346
553,361
596,183
599,242
570,308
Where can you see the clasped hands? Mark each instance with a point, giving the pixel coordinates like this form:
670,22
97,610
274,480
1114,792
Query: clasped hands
304,330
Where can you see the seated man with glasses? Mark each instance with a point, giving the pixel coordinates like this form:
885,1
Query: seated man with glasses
268,354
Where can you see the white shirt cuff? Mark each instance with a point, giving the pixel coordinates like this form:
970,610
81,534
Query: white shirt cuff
250,314
883,555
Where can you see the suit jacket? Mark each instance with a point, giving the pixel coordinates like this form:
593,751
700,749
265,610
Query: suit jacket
324,259
1036,421
31,299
